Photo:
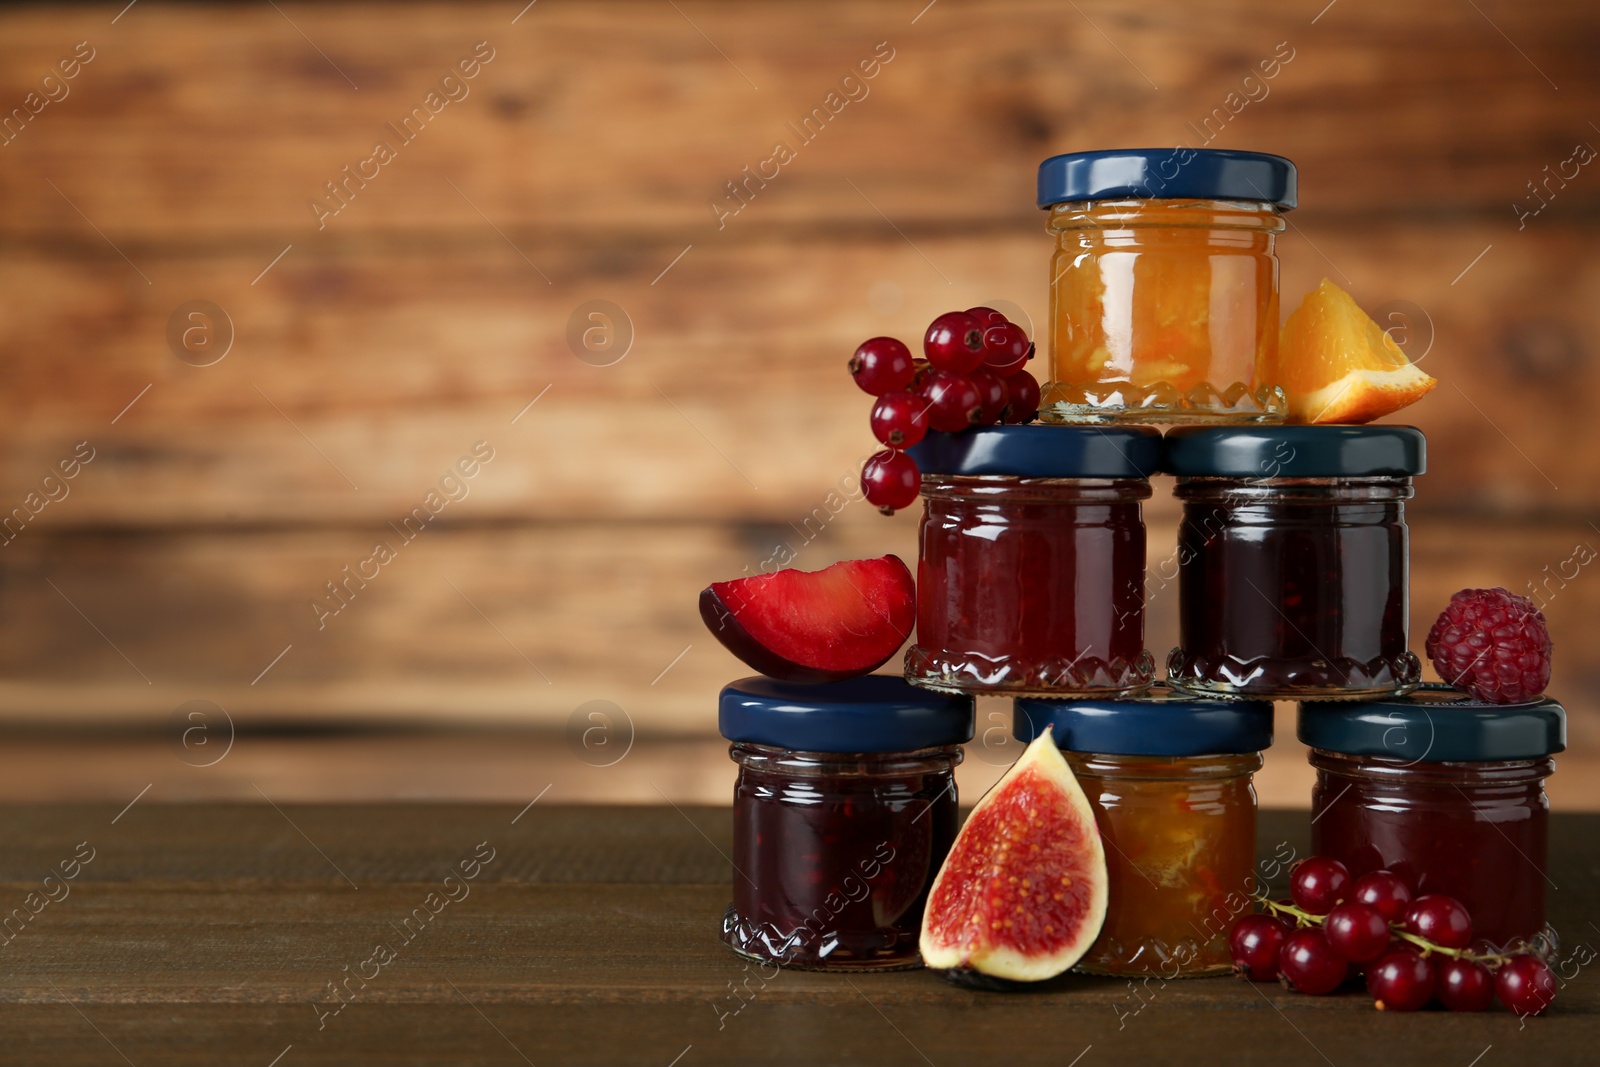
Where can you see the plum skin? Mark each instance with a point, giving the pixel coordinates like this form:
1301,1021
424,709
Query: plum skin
720,620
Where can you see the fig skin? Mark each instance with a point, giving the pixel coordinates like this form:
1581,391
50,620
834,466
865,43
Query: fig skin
967,978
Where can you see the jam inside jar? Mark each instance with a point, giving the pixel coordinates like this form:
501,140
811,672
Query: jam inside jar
1474,831
1293,586
1164,285
1179,825
1029,581
835,854
1445,791
843,812
1180,836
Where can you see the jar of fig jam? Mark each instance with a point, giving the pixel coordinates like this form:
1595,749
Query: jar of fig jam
1169,778
844,809
1030,576
1444,790
1164,285
1293,560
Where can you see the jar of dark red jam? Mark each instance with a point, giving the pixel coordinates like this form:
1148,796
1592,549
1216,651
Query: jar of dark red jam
1169,778
1030,575
1293,560
843,812
1444,790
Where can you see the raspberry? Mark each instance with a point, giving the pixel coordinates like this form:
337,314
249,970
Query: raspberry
1493,644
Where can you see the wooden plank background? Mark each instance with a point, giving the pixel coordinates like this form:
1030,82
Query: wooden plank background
583,164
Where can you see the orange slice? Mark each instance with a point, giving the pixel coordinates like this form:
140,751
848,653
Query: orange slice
1337,365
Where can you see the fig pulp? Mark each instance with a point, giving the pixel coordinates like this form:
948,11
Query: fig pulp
817,626
1022,894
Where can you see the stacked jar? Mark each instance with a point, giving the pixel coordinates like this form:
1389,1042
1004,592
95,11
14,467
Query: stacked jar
1293,561
1170,780
1164,285
1030,571
1445,791
843,812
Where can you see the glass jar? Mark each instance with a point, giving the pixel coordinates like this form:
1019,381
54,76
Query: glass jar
1447,792
844,810
1169,779
1293,561
1030,573
1164,285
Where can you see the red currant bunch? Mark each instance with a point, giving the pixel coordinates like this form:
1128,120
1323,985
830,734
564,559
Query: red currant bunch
1413,950
971,376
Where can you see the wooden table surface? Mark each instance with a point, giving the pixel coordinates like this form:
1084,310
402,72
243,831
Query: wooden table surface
210,934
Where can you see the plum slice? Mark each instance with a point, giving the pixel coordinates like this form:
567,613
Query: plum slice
815,626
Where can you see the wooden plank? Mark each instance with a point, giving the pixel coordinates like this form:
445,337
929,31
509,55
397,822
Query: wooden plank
974,1028
467,624
522,625
380,370
1424,97
229,962
166,844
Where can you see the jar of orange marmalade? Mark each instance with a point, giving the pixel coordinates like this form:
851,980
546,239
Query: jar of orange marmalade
1170,781
1164,285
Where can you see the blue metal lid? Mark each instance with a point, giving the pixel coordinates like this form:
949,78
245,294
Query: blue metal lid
873,713
1435,724
1295,451
1042,451
1168,174
1162,722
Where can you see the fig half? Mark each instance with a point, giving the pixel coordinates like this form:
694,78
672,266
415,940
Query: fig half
1022,894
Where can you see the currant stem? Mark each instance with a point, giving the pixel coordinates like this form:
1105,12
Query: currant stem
1491,960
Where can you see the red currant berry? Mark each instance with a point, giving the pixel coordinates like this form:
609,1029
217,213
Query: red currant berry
953,401
1024,390
986,316
1462,985
1400,981
900,419
1441,919
890,480
992,395
1308,963
1525,985
1356,931
1318,883
954,342
1005,348
881,365
1385,891
1254,943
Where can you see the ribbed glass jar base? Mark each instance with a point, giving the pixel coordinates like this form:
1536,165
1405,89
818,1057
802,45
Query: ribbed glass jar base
1110,403
757,941
1060,676
1309,679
